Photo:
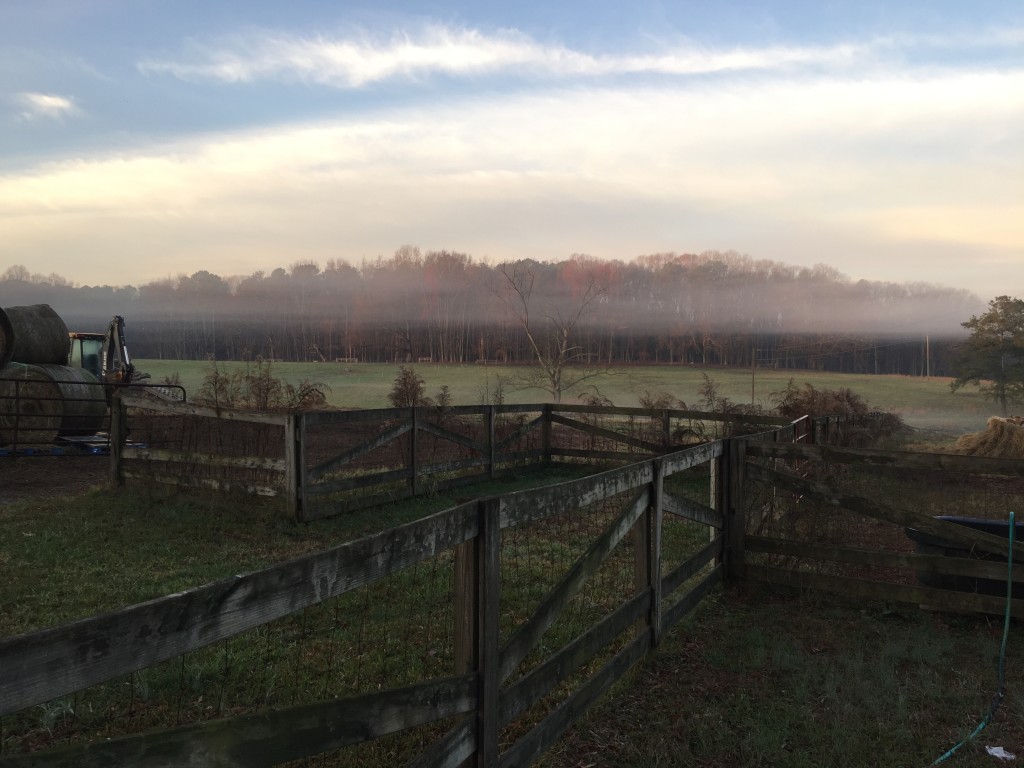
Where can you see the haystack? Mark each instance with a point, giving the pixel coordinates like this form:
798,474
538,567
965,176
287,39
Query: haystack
1001,438
38,402
35,334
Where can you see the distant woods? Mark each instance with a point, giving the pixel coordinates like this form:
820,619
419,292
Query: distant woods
709,309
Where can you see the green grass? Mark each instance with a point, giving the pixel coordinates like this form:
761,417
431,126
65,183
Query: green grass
773,679
923,402
67,558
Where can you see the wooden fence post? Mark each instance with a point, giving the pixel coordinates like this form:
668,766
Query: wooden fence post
547,433
736,510
295,464
722,489
491,436
414,479
666,429
489,657
118,435
654,515
477,595
647,556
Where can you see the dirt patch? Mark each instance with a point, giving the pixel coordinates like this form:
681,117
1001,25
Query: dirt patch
36,477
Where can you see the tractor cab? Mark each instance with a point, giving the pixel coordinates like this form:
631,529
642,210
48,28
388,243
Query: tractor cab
87,352
105,356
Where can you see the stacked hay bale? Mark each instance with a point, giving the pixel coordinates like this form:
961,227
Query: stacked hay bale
41,397
1002,438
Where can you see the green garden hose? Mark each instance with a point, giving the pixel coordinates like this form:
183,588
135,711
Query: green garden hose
1000,691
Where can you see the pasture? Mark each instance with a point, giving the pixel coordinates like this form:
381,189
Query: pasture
752,680
923,402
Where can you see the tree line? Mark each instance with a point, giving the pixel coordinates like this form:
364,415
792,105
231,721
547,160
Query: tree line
709,309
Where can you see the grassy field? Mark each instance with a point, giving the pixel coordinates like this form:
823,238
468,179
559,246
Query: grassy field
763,679
925,403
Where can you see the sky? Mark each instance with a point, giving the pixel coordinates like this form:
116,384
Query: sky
144,139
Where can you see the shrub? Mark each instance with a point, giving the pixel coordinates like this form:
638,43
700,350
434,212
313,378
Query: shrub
865,426
256,388
408,389
660,401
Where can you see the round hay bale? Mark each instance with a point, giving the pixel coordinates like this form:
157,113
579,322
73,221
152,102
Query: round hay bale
84,399
40,402
34,335
1001,438
30,407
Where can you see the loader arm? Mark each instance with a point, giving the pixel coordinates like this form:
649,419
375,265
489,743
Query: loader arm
117,365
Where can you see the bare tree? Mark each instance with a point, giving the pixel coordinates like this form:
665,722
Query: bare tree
549,321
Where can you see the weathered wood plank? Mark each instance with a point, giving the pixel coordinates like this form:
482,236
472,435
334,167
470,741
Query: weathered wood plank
737,525
455,465
686,570
737,418
692,457
940,565
939,462
545,677
877,590
492,448
536,504
207,459
342,484
187,481
294,482
322,418
272,737
689,601
590,429
583,453
598,456
522,431
489,630
824,494
348,456
655,516
692,510
45,665
532,745
530,632
452,437
181,408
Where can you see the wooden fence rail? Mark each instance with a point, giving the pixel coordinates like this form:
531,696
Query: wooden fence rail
332,462
803,561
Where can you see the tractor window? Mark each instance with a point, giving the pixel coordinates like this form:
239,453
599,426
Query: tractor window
85,353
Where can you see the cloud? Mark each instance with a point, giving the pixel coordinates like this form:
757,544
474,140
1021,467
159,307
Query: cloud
353,62
48,106
910,165
360,59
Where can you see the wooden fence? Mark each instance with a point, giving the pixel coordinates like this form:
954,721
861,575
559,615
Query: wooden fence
504,663
782,510
879,524
331,462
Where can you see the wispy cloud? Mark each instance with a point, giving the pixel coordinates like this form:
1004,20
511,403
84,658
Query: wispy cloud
355,61
35,106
